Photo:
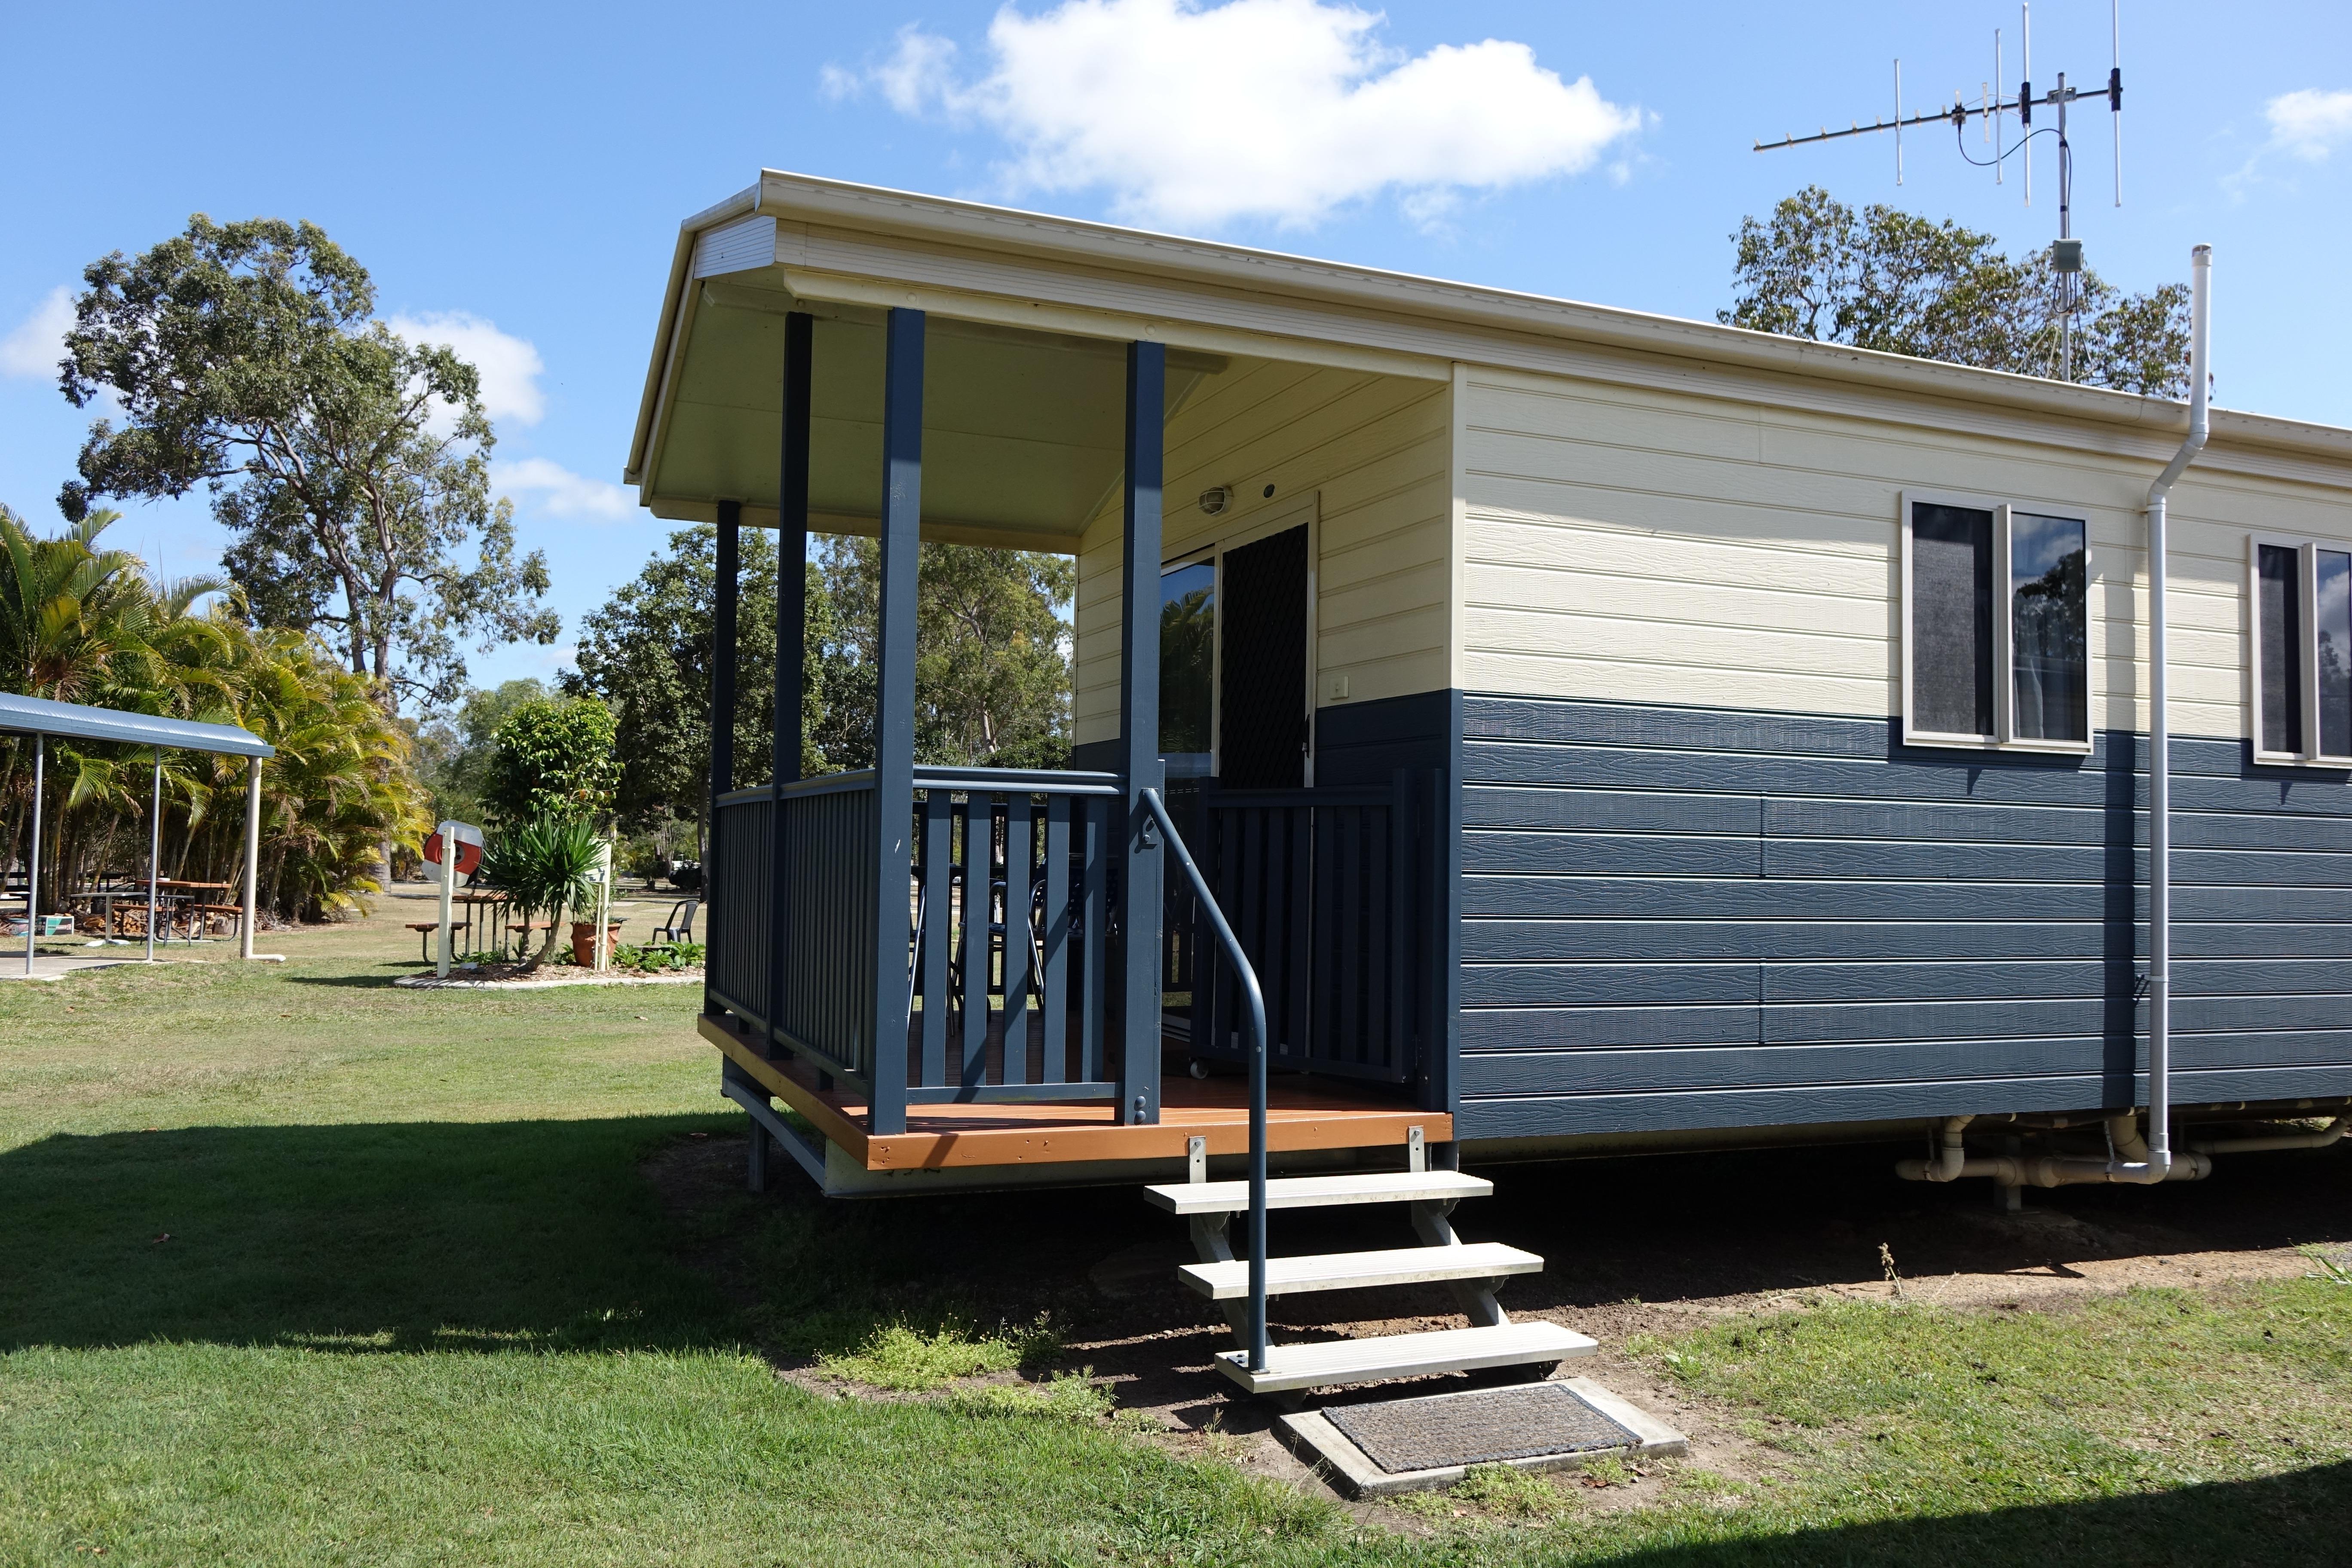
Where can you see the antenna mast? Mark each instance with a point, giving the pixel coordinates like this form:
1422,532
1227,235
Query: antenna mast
2067,255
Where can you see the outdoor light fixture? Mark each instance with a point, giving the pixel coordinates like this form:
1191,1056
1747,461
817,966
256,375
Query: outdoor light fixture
1214,499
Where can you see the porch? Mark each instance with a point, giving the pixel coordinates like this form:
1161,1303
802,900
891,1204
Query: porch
941,967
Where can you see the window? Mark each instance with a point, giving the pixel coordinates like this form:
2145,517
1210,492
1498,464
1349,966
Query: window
1188,666
1996,644
2302,685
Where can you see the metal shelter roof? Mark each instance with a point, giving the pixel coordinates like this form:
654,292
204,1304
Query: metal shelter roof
40,716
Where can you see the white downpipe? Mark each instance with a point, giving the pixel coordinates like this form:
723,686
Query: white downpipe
2156,1163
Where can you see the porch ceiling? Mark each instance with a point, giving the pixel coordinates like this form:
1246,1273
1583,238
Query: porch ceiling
1022,430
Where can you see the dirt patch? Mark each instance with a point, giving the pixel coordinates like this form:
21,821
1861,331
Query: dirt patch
1658,1245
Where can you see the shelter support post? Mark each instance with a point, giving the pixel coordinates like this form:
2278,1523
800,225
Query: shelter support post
894,714
792,636
1138,731
253,858
32,853
154,853
728,573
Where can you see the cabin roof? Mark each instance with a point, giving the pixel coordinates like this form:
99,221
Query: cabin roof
1039,300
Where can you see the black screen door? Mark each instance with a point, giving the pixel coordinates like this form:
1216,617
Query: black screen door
1262,685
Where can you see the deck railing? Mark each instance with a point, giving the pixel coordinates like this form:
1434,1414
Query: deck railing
1008,986
1329,891
1006,923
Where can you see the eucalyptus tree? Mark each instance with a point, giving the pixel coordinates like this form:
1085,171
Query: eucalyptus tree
350,468
1884,278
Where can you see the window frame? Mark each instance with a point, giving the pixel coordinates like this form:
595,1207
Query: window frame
1210,556
2307,592
2004,736
1262,523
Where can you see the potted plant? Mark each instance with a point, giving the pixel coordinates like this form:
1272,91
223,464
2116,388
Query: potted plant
583,941
546,866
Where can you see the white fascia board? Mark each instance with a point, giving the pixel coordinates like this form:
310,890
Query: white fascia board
669,337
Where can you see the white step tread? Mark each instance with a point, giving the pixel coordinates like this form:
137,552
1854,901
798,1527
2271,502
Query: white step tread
1406,1355
1356,1270
1320,1192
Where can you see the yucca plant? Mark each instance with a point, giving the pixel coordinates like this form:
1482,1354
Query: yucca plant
545,865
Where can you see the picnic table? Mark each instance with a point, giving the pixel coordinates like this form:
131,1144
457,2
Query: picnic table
489,904
182,896
103,896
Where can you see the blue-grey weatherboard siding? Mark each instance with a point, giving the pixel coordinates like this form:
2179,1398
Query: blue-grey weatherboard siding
1676,918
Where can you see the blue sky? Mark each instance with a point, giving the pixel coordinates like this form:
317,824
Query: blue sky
513,176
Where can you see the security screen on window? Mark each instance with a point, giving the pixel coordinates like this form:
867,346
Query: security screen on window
2278,639
2049,628
2333,650
2303,652
1997,618
1188,660
1951,620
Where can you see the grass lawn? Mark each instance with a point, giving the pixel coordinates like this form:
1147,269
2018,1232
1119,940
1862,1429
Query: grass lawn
298,1267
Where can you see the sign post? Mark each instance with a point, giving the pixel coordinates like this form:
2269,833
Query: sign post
604,901
438,858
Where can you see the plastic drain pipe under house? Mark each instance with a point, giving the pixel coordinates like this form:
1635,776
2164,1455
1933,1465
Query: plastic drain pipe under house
2129,1157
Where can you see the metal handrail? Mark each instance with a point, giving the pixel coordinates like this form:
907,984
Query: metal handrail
1248,976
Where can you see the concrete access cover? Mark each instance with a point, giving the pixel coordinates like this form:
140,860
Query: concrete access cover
1490,1427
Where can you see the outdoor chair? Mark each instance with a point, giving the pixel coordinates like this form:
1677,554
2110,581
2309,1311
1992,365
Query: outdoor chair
679,927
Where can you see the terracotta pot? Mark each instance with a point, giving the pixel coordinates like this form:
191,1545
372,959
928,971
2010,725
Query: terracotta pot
583,941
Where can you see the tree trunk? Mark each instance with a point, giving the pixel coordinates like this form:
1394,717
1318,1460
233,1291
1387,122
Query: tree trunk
547,948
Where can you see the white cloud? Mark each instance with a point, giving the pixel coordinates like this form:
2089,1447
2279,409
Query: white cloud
551,488
2310,123
1193,115
511,366
38,341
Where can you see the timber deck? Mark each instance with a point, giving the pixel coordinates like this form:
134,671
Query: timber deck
940,1136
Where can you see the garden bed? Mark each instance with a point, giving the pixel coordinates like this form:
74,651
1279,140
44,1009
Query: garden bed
517,977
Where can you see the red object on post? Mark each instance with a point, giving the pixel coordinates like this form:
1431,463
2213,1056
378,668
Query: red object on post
469,855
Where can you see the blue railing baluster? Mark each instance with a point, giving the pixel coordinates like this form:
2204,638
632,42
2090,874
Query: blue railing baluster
1054,985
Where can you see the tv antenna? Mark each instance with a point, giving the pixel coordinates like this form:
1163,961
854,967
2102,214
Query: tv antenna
1991,109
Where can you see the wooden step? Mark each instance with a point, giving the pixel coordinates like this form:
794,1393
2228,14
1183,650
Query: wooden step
1321,1192
1356,1270
1405,1355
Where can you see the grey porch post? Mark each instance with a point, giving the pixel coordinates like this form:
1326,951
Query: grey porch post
894,710
792,623
722,723
1138,734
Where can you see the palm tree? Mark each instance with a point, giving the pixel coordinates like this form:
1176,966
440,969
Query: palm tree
82,624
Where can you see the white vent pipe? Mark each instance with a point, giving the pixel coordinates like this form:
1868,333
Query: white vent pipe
2129,1164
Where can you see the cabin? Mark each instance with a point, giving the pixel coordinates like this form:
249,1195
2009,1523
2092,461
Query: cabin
1601,731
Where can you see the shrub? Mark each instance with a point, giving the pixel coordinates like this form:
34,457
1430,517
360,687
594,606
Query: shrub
545,865
553,760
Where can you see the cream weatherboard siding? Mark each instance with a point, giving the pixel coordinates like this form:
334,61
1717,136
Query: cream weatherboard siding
1370,452
1633,546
